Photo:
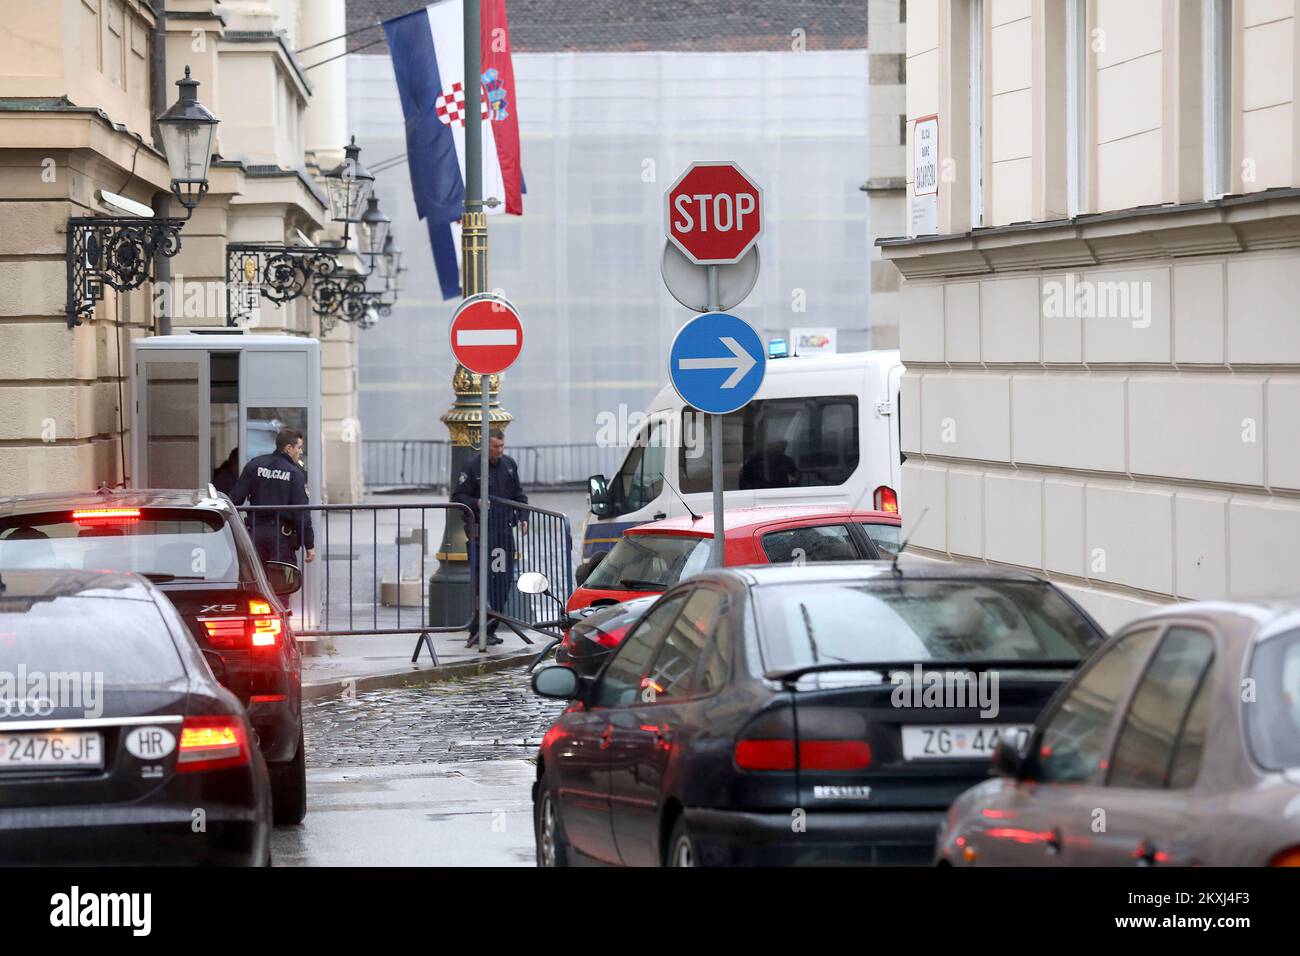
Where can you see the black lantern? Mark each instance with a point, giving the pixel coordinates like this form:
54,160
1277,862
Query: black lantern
348,186
187,130
390,260
374,229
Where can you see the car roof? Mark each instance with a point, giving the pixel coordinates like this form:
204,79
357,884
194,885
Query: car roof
116,498
835,571
1259,617
68,583
739,520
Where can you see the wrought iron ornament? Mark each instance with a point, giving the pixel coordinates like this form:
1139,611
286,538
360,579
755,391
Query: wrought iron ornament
119,253
280,273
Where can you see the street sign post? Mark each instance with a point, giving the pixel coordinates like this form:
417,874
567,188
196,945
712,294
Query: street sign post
713,216
486,337
716,365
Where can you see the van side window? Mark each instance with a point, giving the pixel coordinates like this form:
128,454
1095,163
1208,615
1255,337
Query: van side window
641,478
774,443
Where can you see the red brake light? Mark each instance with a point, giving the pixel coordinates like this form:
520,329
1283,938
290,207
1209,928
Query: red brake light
212,743
768,754
262,628
765,754
102,516
886,499
1288,857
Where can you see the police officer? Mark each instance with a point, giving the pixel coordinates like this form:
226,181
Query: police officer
278,479
503,482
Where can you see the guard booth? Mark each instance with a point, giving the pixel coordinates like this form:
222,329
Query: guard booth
206,403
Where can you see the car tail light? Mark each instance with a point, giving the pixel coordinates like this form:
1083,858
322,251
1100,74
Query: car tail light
261,627
886,499
765,754
1288,857
830,739
212,743
93,517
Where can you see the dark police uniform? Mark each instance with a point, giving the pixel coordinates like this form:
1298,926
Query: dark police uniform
276,479
503,482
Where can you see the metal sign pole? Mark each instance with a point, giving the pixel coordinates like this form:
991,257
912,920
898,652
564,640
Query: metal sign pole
716,555
483,504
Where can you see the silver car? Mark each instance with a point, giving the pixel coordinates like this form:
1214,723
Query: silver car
1177,744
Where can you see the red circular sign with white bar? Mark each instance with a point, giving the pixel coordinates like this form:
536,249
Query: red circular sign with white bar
714,213
486,334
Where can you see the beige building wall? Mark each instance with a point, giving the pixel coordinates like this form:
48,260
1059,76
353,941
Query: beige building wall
76,118
1110,400
886,187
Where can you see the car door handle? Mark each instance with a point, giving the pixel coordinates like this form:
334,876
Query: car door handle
660,515
605,736
1053,841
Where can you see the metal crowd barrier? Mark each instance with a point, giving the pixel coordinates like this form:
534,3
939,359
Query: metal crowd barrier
373,562
371,568
390,464
548,548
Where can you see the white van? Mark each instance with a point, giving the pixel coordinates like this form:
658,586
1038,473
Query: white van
821,430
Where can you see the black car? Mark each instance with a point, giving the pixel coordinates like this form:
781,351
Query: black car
1177,745
597,633
780,715
194,546
117,744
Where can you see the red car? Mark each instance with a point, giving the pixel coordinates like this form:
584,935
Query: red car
651,558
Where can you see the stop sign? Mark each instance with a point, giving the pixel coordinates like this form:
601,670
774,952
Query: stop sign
486,334
714,213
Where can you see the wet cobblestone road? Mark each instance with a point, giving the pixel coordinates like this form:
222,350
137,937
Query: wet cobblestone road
488,717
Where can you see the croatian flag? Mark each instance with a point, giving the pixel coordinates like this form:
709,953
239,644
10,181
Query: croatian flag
428,61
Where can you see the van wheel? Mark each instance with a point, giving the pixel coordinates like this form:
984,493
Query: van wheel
289,788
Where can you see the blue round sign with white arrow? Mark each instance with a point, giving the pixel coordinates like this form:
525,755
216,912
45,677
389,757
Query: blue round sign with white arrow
717,362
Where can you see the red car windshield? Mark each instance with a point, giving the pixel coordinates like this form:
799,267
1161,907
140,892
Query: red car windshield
649,562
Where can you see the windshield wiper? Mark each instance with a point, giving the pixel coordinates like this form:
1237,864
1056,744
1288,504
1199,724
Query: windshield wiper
643,585
161,577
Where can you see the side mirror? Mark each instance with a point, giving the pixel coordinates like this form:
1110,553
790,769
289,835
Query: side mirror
557,681
598,491
533,582
285,578
217,664
1009,756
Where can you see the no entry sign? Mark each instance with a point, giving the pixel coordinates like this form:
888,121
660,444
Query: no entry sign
486,334
714,213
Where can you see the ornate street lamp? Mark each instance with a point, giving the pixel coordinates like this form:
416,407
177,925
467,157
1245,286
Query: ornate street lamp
187,130
374,230
390,263
120,251
348,186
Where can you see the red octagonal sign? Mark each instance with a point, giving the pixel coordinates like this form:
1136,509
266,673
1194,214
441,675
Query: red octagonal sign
714,213
486,334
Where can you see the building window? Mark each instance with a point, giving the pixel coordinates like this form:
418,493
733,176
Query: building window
1216,138
1076,106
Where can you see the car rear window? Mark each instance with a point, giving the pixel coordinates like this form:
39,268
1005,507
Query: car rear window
650,562
165,543
1273,715
907,621
122,642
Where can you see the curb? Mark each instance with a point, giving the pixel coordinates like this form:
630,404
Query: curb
413,676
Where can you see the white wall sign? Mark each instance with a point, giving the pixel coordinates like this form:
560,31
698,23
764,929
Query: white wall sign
925,176
809,341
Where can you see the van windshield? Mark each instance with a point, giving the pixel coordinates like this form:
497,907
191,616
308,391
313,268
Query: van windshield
650,562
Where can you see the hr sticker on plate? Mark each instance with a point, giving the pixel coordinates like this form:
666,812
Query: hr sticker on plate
150,743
